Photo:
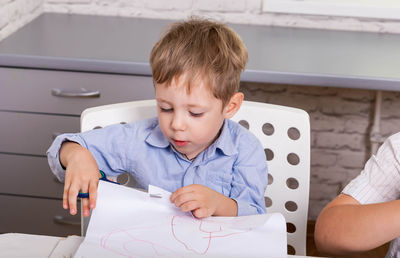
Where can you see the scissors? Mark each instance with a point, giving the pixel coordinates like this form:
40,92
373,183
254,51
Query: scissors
104,178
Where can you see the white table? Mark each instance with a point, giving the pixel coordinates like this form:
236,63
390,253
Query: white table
26,245
39,246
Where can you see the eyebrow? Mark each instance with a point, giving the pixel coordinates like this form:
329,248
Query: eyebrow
195,106
190,105
163,100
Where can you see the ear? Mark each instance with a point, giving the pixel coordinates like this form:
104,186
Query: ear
233,105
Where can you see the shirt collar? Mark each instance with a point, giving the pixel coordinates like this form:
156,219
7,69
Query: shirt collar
156,138
224,142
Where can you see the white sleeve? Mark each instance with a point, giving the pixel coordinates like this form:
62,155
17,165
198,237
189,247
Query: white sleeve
380,179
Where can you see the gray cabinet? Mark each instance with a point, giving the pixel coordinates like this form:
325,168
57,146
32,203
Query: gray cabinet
35,106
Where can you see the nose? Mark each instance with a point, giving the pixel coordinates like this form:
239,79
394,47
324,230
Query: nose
178,122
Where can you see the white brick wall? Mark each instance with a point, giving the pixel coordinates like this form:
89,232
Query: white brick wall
340,123
16,13
233,11
340,118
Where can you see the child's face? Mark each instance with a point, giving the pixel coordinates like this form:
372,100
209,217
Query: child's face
191,122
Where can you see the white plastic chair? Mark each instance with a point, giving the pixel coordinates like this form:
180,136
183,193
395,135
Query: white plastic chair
285,135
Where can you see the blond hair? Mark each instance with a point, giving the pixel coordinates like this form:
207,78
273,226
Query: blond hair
203,49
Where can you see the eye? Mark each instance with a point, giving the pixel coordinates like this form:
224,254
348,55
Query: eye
196,114
166,109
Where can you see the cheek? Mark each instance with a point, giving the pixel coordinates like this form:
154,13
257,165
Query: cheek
163,122
206,131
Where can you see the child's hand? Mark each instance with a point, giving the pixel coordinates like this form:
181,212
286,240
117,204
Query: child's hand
203,201
82,175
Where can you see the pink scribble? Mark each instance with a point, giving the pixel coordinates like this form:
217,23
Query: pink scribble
201,234
125,248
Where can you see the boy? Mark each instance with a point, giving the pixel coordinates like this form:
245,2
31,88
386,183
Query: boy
212,165
366,214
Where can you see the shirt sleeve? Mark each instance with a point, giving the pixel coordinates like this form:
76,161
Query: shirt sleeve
380,179
107,145
250,178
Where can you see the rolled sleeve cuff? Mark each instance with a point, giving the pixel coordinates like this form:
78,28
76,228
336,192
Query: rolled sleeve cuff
53,156
360,189
246,208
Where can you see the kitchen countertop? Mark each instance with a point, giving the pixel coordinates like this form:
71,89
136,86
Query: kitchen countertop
119,45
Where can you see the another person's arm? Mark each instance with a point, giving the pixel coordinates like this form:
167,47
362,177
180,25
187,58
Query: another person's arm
345,226
366,214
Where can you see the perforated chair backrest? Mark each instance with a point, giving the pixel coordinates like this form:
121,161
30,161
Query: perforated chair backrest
126,112
285,135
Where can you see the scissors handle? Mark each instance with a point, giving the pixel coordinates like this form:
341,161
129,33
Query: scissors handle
103,178
83,195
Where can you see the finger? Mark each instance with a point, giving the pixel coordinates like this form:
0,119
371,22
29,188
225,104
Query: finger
65,195
67,185
85,201
183,198
72,196
180,191
85,207
201,213
190,206
93,193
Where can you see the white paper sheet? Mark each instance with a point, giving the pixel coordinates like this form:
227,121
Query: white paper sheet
131,223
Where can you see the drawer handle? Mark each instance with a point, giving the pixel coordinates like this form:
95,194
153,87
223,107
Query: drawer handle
81,93
75,221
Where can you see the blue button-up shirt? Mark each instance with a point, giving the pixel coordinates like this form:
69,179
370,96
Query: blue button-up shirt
234,165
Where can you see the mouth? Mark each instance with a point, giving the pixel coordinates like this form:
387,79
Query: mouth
180,143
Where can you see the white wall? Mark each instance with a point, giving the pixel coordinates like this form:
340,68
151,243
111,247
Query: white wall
340,118
16,13
340,123
232,11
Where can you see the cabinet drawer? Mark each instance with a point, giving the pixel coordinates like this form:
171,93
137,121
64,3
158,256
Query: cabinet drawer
32,133
31,90
27,175
36,216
